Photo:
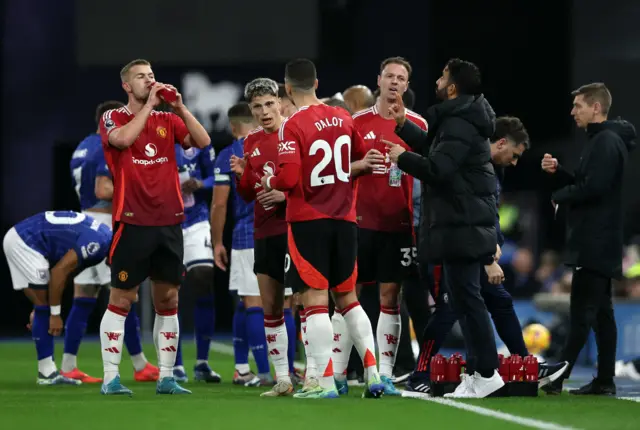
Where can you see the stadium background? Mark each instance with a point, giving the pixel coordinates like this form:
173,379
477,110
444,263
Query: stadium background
62,58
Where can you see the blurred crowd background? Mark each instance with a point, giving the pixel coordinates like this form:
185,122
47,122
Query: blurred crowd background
62,58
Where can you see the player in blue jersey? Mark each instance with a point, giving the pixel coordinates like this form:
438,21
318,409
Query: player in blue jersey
43,252
93,184
248,319
196,177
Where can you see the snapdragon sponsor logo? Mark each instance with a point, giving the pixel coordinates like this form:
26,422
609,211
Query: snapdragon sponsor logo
160,160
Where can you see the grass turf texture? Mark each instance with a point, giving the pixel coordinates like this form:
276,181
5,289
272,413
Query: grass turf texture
24,405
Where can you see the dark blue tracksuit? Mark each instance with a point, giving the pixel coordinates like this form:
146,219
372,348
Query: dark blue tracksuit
497,299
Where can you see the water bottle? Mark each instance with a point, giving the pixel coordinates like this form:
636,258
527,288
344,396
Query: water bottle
395,176
187,198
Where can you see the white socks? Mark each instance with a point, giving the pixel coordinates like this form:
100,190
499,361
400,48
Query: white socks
112,340
342,345
311,370
320,335
69,362
278,345
166,333
388,337
47,366
139,361
361,334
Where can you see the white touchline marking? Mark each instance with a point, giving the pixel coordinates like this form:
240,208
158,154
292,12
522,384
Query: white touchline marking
528,422
633,399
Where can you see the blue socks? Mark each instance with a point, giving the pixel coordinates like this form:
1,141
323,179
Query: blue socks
77,323
132,332
240,344
40,332
205,319
257,338
292,335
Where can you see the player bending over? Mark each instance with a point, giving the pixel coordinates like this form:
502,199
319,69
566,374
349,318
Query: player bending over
316,147
270,229
196,178
248,318
92,182
148,211
43,252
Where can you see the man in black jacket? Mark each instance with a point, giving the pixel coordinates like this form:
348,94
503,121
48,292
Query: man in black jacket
458,223
592,197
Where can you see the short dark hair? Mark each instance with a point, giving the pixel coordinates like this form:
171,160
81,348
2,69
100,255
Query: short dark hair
595,92
409,98
300,74
125,70
260,87
465,75
282,92
337,103
108,105
240,112
396,60
511,128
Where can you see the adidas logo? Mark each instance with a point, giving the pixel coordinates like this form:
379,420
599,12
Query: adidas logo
255,152
370,135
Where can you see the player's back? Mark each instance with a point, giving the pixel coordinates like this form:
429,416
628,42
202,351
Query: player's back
54,233
83,171
324,142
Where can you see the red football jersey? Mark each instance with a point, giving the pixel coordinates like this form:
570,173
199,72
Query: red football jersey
261,150
323,141
383,203
146,186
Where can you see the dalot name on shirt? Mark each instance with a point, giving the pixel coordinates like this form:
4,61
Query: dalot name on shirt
328,122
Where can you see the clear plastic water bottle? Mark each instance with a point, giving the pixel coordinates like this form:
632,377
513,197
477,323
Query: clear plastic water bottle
187,198
395,175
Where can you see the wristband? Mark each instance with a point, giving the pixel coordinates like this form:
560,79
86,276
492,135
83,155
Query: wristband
55,310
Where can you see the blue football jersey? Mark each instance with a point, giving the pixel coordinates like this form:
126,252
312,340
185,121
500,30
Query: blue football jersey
243,211
53,234
196,163
86,164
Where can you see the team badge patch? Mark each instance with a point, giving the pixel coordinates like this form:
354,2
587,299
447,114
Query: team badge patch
162,132
123,276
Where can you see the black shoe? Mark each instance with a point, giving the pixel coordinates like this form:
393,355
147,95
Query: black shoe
400,375
554,388
417,387
547,373
596,388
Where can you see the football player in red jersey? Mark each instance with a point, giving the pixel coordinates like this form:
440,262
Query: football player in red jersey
386,246
270,228
147,213
317,145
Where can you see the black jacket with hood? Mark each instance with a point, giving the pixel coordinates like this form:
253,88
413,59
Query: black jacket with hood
592,197
458,201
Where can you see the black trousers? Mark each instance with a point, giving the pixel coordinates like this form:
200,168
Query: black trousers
463,279
592,308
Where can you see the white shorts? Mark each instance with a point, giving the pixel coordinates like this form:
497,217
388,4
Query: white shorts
27,266
242,278
197,245
100,274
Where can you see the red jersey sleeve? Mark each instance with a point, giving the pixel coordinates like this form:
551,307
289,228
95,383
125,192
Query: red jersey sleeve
245,183
180,131
288,145
358,146
110,120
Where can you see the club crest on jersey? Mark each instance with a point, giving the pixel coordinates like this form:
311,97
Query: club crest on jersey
123,276
162,132
190,153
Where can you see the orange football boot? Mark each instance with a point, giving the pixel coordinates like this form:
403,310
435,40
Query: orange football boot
81,376
150,373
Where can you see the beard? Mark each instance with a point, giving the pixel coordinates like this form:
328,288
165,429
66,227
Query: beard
441,94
